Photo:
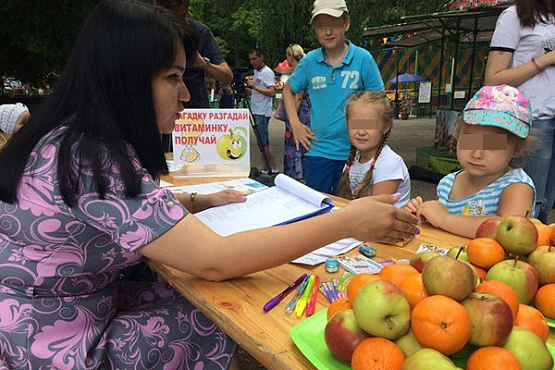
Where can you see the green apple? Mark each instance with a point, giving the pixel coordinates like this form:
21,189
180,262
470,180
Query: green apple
491,319
450,277
453,252
530,351
233,146
543,259
518,235
519,275
382,310
419,260
342,335
408,344
428,359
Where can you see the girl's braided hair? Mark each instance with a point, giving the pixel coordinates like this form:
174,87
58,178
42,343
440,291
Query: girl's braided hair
369,97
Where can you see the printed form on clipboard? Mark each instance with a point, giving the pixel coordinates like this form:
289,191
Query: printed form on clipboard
286,202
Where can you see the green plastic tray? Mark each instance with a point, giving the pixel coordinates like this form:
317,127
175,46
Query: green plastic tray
308,336
551,322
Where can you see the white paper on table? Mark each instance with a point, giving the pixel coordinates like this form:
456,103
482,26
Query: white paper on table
310,259
244,185
320,255
165,184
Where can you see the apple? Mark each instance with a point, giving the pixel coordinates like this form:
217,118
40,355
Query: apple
453,252
408,344
519,275
342,335
530,351
491,319
543,260
518,235
419,260
450,277
426,359
382,310
488,228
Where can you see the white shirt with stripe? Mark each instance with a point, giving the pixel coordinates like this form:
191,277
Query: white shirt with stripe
486,201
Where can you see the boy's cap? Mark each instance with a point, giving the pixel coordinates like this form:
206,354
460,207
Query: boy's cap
335,8
501,106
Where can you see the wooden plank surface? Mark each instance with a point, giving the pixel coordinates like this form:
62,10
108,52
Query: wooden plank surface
236,305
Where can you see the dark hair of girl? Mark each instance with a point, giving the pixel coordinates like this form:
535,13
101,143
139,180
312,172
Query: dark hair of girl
532,12
381,100
104,98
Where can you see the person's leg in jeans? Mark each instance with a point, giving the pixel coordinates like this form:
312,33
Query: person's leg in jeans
539,164
322,174
262,125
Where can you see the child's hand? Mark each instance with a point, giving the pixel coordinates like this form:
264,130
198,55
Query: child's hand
432,211
303,135
413,205
225,197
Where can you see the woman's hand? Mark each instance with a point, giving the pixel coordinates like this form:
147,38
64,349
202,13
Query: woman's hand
413,205
433,212
375,218
205,201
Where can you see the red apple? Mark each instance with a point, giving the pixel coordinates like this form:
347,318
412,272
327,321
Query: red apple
342,335
449,277
519,275
419,260
488,228
491,319
543,259
382,310
518,235
530,351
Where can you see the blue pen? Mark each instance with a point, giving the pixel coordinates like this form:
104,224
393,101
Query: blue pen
291,306
274,301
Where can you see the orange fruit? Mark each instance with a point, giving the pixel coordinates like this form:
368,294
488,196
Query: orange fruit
377,354
488,358
441,323
530,318
414,289
485,252
503,291
338,305
480,272
544,233
358,282
545,300
397,273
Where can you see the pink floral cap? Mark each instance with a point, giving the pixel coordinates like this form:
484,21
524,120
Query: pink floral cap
501,106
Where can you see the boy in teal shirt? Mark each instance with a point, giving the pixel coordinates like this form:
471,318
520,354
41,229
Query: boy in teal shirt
331,74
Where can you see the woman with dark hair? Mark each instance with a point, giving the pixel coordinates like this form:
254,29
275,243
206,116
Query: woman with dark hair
522,54
80,205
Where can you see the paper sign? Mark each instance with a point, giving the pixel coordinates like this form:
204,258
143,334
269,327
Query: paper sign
212,142
425,92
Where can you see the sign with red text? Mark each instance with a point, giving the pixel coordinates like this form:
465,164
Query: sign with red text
212,142
475,4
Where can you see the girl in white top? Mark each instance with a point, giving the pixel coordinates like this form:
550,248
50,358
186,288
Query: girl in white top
373,168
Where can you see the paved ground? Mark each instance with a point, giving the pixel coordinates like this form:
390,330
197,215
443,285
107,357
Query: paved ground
405,138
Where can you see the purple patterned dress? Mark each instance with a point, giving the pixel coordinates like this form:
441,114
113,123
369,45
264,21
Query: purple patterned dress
293,158
61,304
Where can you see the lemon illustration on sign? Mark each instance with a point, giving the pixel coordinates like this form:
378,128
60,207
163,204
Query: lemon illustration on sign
233,146
190,154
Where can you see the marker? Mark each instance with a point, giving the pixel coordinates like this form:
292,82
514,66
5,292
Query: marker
296,297
312,301
301,304
274,301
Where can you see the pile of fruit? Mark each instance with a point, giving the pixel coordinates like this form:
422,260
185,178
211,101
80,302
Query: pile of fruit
471,306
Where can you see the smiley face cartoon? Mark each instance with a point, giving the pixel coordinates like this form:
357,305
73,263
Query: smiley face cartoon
190,154
233,146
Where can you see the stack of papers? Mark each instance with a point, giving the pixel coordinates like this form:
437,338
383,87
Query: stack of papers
245,185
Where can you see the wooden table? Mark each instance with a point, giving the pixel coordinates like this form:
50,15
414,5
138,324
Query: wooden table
236,305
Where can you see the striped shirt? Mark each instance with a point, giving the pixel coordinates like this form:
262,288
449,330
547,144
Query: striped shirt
484,202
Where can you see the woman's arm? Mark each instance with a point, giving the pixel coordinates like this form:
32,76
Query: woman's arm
200,202
192,247
498,71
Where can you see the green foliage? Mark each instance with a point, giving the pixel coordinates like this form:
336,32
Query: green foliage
38,36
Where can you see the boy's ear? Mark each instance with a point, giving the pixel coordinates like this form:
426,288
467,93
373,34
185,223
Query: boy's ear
347,22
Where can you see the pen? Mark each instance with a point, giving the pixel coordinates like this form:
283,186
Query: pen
312,301
301,304
274,301
296,297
